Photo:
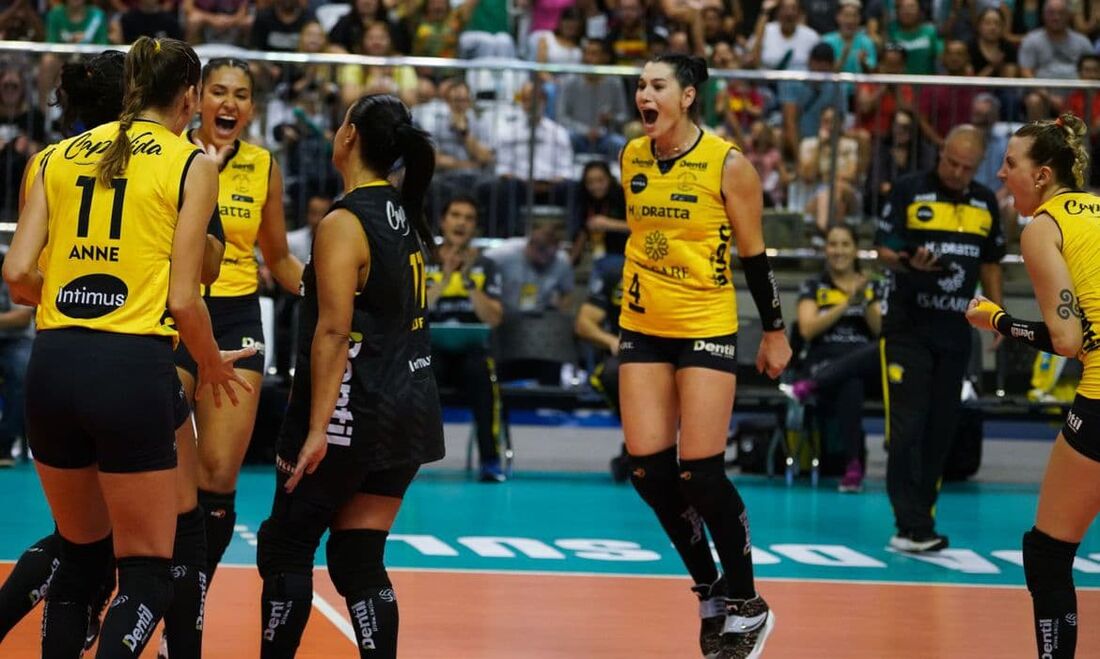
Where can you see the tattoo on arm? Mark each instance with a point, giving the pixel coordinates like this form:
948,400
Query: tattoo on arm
1068,305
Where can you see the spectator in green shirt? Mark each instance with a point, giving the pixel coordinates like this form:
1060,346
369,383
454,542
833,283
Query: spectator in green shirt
917,36
76,22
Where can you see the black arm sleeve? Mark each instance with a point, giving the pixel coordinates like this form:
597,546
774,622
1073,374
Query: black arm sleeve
1032,333
765,293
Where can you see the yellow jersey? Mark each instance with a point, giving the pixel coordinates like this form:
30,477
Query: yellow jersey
1078,217
676,280
35,165
242,193
107,258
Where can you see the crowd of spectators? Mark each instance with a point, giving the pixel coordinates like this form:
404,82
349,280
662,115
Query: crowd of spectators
828,152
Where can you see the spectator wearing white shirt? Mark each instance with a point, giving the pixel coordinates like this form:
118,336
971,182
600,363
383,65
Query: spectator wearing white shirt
549,172
782,44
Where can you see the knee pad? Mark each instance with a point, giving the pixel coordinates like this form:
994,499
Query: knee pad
288,586
356,560
190,544
705,485
654,477
81,571
1048,562
283,547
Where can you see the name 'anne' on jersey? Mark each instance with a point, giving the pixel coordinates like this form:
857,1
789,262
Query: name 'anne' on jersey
677,280
107,259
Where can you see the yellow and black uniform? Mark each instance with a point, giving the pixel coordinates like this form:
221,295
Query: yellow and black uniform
679,305
102,318
471,370
926,338
232,300
1077,215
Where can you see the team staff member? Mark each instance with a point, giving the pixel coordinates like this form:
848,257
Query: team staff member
90,94
464,287
364,409
939,234
598,323
104,445
689,197
1044,170
250,199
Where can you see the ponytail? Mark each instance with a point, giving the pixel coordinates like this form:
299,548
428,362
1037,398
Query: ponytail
419,157
156,71
387,133
1059,144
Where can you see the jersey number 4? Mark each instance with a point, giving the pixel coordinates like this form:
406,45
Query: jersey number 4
87,185
635,291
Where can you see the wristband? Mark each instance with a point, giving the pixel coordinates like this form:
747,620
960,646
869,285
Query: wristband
765,293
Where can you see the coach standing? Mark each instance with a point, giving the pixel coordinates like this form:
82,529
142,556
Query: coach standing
939,234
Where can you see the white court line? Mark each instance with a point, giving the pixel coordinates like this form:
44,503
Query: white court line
334,617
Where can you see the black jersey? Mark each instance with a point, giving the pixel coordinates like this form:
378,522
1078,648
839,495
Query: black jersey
388,409
454,303
606,292
962,229
851,329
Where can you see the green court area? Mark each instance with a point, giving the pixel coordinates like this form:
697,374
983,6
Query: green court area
584,523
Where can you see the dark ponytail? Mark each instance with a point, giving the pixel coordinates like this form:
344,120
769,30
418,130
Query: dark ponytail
1059,144
90,90
386,133
690,71
156,71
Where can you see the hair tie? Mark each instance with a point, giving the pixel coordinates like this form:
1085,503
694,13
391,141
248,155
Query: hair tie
156,45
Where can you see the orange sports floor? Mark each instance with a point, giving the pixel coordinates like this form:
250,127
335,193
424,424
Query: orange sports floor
487,615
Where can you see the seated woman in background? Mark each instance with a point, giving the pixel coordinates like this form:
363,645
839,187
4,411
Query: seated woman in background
600,224
839,318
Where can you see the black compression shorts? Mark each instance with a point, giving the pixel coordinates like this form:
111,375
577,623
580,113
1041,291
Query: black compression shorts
1082,427
236,324
717,353
102,398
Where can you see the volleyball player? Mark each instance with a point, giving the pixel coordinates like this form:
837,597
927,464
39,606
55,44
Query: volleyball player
250,198
89,94
1044,170
364,409
690,197
103,435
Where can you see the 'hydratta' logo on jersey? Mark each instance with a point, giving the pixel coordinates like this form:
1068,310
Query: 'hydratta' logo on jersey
235,211
660,212
925,213
638,183
1074,207
395,215
340,428
91,296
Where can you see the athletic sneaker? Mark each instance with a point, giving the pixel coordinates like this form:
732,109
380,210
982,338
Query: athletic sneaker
852,481
712,616
491,472
918,543
748,625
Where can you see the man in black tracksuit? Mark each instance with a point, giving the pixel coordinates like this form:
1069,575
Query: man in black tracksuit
939,234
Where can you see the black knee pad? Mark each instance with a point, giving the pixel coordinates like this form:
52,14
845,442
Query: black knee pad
706,487
655,476
190,545
356,560
287,545
288,586
81,571
1048,562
